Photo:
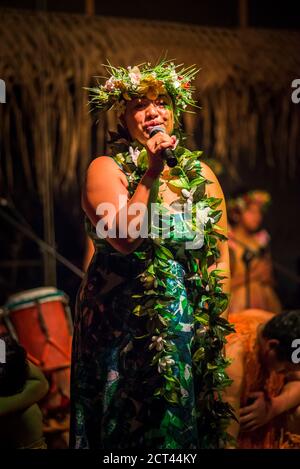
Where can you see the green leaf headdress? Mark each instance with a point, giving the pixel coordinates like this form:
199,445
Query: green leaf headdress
239,204
125,84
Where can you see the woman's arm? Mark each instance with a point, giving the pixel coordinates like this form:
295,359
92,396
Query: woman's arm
214,190
106,184
36,387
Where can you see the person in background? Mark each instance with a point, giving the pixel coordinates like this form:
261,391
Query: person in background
246,238
265,389
22,386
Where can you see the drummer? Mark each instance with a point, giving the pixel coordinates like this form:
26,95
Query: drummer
22,385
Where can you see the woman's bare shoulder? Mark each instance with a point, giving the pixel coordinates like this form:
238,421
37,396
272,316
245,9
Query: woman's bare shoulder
104,168
101,162
207,172
213,189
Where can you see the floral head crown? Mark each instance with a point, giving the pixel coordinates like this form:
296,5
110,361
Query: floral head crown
128,83
262,198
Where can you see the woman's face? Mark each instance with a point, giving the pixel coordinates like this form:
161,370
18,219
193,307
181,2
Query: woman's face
142,113
251,217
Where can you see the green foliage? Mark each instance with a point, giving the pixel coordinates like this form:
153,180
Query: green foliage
125,84
206,297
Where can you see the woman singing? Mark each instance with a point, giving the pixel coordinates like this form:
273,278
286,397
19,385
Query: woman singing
150,327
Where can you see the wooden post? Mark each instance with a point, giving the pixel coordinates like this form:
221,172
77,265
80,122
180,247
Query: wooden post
90,7
48,205
243,14
48,189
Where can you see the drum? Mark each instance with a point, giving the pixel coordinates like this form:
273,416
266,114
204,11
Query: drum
40,320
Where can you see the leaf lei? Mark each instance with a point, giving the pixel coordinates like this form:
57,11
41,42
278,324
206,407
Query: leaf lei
204,291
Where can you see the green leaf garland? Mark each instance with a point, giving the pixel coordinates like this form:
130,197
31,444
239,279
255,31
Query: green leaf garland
205,294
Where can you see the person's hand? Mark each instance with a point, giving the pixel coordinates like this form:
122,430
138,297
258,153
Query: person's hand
257,414
154,146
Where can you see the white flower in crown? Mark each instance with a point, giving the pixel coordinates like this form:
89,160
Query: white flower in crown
175,80
134,153
110,84
134,75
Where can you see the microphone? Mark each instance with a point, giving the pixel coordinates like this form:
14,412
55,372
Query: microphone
167,153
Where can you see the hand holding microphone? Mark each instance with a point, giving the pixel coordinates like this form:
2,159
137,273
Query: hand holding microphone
166,153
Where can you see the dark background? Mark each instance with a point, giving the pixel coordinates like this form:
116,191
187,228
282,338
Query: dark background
262,13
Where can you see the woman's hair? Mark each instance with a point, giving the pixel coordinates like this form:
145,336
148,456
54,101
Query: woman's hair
14,372
285,327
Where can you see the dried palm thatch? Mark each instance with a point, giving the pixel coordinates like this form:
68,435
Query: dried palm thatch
46,59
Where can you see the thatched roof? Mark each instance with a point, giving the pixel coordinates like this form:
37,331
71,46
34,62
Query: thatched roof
46,59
